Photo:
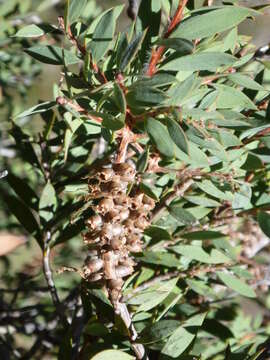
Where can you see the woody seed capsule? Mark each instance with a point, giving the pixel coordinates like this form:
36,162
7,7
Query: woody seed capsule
94,265
94,222
104,206
109,265
122,271
106,174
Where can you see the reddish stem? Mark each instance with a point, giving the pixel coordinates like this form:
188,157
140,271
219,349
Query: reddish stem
157,53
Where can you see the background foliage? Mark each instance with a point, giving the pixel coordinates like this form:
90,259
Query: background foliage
200,116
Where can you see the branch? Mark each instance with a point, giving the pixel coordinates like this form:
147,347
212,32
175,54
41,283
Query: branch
49,277
156,54
122,311
174,274
179,191
63,102
132,9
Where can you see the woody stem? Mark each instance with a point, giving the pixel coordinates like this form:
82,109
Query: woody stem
157,53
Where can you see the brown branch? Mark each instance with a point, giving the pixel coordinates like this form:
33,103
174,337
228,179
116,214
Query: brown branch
174,274
122,311
179,192
63,101
49,278
157,53
70,36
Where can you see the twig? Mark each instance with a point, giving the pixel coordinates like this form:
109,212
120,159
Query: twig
174,274
122,311
63,102
179,192
49,277
70,36
132,9
157,53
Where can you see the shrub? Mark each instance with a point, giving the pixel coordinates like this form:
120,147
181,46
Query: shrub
155,149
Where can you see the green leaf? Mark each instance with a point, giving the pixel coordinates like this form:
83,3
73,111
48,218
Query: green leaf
211,23
229,98
70,231
182,46
202,200
159,258
142,162
236,284
197,253
201,61
24,216
158,80
183,336
23,190
23,143
53,55
182,215
103,33
119,98
242,197
145,96
177,134
264,222
160,137
73,126
112,354
131,51
30,31
158,331
200,287
75,9
245,81
47,203
160,294
208,187
157,233
203,235
113,123
37,109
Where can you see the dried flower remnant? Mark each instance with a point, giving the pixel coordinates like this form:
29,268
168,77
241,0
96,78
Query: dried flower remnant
116,228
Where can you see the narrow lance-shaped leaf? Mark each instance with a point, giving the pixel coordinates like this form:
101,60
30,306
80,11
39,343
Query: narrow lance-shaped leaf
47,203
182,46
23,190
35,30
112,354
161,293
229,98
211,23
182,215
24,216
201,61
245,81
75,9
177,134
53,55
119,98
103,33
145,96
37,109
160,137
264,222
236,284
131,51
143,161
183,336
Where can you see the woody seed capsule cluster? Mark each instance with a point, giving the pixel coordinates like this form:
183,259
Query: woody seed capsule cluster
116,228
